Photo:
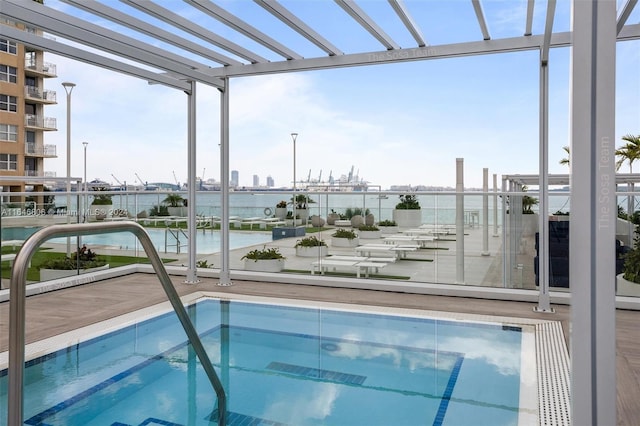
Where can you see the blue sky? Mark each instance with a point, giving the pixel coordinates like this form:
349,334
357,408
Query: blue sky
396,124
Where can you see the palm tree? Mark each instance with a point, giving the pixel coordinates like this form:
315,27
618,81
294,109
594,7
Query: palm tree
629,152
566,161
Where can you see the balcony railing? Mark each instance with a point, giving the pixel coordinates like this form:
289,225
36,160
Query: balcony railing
35,93
34,150
43,123
44,68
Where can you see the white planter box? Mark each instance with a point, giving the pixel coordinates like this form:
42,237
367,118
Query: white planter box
389,229
281,213
54,274
99,212
407,218
626,288
177,211
344,242
264,265
318,251
529,224
369,235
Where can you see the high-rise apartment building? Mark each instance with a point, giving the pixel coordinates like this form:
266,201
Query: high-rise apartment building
22,120
235,179
256,181
270,183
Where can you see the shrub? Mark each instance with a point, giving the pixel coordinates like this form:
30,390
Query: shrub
368,228
302,201
387,223
159,211
174,200
527,203
203,264
78,260
632,262
345,233
408,202
264,254
351,212
311,241
281,205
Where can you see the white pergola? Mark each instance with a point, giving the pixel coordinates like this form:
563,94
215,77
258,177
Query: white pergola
207,57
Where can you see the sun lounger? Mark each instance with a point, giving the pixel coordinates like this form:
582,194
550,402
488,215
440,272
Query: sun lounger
422,240
271,221
10,257
365,267
12,243
381,248
363,259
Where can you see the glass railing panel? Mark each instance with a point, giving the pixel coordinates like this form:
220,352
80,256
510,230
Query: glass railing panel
626,245
496,254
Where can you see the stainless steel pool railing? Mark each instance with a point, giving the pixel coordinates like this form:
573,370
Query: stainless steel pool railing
17,303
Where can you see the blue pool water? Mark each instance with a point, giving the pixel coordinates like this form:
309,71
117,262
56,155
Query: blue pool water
206,242
281,365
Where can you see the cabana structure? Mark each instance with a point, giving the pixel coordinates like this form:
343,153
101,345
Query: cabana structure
597,27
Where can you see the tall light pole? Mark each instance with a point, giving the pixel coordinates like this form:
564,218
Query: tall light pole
86,197
68,87
294,136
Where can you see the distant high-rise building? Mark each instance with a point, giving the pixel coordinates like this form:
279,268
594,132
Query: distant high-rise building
235,179
256,181
270,183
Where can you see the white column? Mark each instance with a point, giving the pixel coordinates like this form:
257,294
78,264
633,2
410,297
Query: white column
593,213
225,278
485,212
543,183
459,220
495,205
192,272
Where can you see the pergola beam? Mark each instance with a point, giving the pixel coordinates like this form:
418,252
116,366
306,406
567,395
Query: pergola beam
81,55
367,23
143,27
75,29
188,26
407,20
477,7
242,27
293,22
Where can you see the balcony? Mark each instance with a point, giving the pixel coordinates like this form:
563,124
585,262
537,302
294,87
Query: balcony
46,151
40,96
32,67
36,122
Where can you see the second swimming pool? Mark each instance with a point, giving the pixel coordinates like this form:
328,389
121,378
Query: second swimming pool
289,364
206,242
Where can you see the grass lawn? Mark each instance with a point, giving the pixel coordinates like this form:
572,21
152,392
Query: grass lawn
42,255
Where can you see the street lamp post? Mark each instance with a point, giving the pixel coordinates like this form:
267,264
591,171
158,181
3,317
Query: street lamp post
86,196
294,136
68,88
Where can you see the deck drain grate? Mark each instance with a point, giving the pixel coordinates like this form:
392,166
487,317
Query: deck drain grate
317,373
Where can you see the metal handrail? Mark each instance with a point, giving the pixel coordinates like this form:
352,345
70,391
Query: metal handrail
17,308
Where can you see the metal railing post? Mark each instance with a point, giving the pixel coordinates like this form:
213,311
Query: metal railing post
15,412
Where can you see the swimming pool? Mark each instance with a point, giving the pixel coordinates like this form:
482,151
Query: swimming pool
206,242
286,364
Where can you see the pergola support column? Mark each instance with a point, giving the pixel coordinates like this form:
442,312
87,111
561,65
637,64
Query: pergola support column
225,277
594,212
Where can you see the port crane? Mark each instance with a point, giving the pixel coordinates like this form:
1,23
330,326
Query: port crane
122,185
175,179
142,182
